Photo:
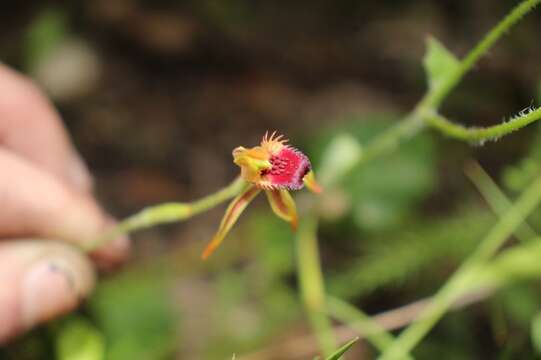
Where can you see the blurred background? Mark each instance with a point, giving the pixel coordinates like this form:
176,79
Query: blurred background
156,94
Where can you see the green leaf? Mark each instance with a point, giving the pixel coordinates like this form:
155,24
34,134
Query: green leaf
381,193
536,332
45,33
517,176
340,155
78,339
439,63
135,313
392,257
338,354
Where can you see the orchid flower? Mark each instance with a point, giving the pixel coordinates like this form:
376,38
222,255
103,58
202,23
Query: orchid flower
275,168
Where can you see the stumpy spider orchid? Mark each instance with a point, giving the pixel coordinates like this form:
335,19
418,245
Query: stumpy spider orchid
275,168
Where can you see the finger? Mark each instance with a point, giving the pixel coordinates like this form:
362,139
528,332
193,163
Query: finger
40,280
30,126
35,203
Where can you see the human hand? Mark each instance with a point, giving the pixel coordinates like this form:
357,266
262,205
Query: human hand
46,208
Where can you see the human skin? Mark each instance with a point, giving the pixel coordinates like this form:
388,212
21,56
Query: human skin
47,209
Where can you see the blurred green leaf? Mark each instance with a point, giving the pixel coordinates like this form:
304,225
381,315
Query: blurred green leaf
135,314
520,302
391,257
516,177
381,193
511,266
338,354
339,157
536,332
78,339
250,308
48,29
439,63
274,242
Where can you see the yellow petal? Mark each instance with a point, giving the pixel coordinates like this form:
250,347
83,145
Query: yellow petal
252,162
231,216
311,183
283,206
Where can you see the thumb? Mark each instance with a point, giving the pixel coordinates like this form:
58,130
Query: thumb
37,204
40,280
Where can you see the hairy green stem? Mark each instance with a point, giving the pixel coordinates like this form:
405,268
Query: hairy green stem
168,213
311,283
434,99
463,277
478,134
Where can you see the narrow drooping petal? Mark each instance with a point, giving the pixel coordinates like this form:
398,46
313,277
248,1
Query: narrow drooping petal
283,206
231,216
311,183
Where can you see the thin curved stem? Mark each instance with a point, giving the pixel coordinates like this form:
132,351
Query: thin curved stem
478,134
311,283
168,213
463,277
434,99
415,122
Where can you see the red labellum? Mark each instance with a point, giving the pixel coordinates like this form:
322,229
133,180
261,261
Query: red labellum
289,166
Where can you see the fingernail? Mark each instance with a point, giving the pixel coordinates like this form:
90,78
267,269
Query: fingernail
48,289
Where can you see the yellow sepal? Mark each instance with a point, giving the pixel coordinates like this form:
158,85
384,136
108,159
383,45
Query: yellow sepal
231,216
283,206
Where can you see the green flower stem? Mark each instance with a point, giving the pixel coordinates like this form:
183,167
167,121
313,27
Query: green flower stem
311,283
360,322
476,134
495,197
467,272
169,213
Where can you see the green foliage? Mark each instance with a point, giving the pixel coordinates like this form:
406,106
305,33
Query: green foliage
536,332
274,241
439,64
342,350
45,32
342,152
134,313
393,257
517,177
521,303
247,311
381,193
252,304
78,339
